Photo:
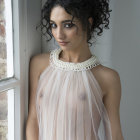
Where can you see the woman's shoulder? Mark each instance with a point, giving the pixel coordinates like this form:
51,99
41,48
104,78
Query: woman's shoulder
106,77
40,61
105,71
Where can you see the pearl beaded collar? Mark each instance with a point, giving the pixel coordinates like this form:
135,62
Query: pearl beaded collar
85,65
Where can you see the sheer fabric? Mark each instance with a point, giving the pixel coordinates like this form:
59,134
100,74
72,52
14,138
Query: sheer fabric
69,102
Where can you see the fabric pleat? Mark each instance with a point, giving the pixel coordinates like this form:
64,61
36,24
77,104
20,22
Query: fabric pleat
69,106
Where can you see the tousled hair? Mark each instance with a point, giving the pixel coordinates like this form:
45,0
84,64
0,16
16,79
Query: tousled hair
98,10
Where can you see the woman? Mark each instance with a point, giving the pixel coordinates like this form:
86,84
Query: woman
73,96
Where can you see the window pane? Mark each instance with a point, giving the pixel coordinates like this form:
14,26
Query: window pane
7,115
6,39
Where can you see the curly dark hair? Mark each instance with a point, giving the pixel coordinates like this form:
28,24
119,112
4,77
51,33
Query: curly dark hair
81,9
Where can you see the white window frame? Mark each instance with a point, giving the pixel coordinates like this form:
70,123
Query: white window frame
26,44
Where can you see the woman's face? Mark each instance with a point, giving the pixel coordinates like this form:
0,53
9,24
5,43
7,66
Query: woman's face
65,31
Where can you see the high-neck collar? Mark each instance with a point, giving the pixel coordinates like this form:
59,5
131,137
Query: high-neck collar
85,65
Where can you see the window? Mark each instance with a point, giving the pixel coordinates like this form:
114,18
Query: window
6,40
7,115
6,72
19,40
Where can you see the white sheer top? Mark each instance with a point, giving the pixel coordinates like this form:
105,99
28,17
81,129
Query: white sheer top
69,102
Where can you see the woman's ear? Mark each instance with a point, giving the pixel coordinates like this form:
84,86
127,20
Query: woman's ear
90,19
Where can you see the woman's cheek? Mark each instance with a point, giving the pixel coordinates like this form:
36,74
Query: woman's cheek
72,34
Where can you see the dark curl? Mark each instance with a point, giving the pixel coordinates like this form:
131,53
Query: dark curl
81,9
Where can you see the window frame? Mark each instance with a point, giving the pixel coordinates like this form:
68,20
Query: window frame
23,48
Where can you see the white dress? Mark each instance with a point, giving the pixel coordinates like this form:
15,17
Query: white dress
69,102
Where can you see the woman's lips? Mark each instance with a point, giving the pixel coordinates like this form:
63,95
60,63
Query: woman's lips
63,43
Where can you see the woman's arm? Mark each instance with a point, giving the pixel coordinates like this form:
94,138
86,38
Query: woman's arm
32,124
112,102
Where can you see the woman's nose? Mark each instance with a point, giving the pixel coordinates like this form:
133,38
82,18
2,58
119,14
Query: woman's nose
60,33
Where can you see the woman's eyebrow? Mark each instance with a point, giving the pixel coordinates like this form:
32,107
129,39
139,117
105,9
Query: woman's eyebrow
62,21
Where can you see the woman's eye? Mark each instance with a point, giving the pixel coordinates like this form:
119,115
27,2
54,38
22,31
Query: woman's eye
68,25
52,25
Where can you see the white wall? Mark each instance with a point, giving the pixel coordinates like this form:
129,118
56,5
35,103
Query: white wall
125,58
33,37
27,42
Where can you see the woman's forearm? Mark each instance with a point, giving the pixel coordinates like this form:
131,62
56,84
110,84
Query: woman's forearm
118,136
31,130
